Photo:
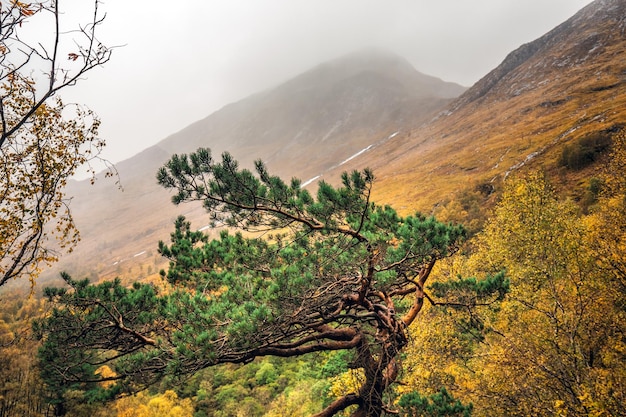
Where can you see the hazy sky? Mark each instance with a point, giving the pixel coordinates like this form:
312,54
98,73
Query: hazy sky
185,59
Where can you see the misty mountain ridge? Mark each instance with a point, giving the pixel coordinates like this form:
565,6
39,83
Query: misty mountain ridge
334,100
571,45
307,126
343,103
373,109
548,93
374,61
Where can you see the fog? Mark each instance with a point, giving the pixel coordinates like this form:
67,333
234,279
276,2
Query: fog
178,62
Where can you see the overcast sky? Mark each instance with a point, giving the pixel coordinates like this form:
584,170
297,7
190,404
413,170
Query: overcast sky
184,59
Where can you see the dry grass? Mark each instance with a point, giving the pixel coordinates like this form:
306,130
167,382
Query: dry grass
485,140
554,98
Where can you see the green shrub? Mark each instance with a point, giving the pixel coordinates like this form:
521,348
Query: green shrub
584,151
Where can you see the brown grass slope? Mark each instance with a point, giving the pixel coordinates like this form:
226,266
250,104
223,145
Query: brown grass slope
300,128
547,93
322,116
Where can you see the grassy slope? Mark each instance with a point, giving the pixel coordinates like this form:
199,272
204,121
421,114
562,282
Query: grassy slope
555,97
303,127
513,119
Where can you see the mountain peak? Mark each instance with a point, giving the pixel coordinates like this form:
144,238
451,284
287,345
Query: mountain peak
367,59
374,61
305,127
339,102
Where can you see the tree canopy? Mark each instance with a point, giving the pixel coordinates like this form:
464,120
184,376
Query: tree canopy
291,275
43,141
556,345
61,59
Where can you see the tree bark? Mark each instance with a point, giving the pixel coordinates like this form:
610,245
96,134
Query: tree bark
339,404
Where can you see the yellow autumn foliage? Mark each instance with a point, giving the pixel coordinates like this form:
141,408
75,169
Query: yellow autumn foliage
555,347
35,164
297,401
557,337
162,405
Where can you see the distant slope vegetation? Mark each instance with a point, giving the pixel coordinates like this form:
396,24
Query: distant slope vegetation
560,89
302,128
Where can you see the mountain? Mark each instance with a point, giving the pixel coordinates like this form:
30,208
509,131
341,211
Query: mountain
304,127
554,92
373,109
321,116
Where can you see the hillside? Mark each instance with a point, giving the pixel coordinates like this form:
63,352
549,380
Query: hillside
554,91
346,307
373,109
304,127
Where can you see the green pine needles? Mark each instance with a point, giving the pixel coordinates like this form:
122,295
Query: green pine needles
329,273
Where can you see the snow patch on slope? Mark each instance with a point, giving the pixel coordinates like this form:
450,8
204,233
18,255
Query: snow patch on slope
356,154
359,153
307,182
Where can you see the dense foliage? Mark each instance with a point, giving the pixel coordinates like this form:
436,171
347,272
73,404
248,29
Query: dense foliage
437,405
552,346
335,272
21,390
556,344
585,150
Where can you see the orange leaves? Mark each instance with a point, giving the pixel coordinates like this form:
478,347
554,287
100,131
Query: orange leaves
24,8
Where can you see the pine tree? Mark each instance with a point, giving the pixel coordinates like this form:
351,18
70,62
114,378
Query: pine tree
291,275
